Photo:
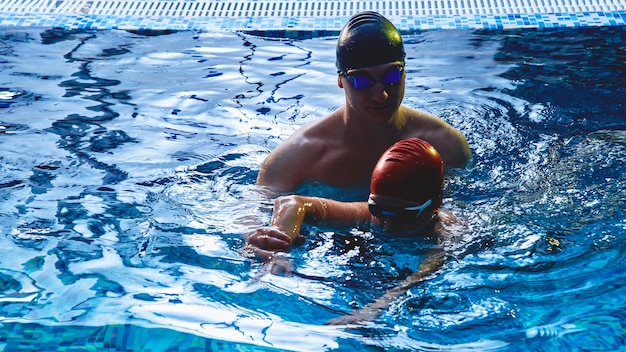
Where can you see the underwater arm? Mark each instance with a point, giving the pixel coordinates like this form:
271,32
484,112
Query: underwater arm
434,260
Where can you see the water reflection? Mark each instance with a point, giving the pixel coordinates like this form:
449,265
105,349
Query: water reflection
128,175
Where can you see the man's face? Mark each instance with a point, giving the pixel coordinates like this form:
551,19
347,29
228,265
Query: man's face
375,91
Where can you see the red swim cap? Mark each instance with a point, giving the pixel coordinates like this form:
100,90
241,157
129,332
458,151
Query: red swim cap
411,169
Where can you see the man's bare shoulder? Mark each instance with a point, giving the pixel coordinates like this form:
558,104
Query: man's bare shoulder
422,119
291,163
448,140
298,147
312,138
323,129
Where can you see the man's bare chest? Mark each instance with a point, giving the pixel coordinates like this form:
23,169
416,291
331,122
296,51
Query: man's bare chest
344,168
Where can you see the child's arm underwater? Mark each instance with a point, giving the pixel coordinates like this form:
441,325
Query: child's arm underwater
447,229
434,260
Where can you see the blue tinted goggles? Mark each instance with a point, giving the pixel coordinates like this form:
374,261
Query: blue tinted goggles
400,213
363,81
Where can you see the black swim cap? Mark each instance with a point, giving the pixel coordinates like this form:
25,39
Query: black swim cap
368,39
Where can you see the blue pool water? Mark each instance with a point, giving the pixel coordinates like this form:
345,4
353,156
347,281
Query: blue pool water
127,176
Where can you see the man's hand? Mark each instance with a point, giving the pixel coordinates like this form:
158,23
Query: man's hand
265,241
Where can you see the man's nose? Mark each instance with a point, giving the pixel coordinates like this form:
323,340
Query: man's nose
379,92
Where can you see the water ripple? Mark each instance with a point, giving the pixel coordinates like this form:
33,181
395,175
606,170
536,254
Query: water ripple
129,162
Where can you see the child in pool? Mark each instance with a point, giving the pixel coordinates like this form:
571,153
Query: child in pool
406,192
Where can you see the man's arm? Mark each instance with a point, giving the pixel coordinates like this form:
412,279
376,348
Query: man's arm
288,166
278,174
457,150
290,212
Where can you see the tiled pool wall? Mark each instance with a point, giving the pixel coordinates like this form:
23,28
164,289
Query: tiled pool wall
311,16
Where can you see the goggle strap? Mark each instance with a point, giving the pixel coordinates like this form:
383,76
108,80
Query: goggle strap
420,207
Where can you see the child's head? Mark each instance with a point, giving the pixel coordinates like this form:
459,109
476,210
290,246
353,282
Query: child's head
411,169
407,185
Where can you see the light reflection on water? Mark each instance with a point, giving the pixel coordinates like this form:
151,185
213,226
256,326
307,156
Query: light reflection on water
128,175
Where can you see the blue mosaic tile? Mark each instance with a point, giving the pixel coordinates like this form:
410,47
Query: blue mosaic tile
325,24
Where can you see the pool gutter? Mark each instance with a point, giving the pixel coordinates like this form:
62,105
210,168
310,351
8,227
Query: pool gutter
323,16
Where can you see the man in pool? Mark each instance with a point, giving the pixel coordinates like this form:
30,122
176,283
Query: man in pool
342,148
406,192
